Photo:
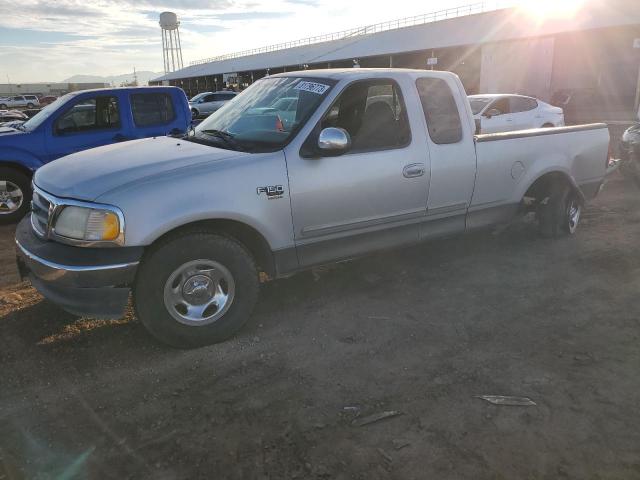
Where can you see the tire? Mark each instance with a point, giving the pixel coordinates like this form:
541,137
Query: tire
3,106
30,105
158,290
560,215
548,125
12,182
194,113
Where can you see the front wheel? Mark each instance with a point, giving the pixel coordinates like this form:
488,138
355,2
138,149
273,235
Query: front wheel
30,105
560,213
194,113
15,195
195,289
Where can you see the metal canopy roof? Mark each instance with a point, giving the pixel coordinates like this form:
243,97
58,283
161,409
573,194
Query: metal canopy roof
499,25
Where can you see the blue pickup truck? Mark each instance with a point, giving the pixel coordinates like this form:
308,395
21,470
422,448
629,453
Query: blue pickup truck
79,121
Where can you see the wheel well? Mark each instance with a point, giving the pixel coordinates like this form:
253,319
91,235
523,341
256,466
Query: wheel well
248,236
16,166
543,187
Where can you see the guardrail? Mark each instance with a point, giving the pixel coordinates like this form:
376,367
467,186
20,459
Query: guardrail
455,12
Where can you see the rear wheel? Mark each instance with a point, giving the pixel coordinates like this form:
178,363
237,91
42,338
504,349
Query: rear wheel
15,195
195,289
560,213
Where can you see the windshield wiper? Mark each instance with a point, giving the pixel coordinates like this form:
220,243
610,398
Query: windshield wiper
226,137
218,133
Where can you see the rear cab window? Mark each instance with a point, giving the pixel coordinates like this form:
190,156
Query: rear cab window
440,110
151,109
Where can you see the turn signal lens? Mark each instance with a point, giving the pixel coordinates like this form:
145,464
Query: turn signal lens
80,223
102,225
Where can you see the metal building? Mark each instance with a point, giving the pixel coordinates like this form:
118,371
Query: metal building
499,51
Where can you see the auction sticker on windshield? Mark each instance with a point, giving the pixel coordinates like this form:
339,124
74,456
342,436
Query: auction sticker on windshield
312,87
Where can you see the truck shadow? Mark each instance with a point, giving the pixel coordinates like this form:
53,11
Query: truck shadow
43,326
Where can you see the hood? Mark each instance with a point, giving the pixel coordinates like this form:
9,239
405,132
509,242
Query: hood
14,124
7,130
89,174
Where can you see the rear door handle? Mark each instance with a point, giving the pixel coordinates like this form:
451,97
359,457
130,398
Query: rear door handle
414,170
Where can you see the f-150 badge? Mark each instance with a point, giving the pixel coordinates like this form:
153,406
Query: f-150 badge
271,191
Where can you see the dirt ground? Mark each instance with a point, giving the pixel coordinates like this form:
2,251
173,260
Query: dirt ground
421,331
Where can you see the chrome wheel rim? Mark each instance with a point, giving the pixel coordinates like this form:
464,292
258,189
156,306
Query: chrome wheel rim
11,197
199,292
574,211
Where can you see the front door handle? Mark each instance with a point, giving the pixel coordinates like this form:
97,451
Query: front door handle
414,170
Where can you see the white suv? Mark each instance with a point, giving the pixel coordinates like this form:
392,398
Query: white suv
29,101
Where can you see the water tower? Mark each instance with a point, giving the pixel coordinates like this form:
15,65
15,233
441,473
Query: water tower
171,48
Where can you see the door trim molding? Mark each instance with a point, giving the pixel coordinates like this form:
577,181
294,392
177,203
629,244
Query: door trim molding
314,231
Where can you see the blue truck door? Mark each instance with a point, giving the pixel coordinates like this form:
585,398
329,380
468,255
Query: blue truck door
156,114
91,121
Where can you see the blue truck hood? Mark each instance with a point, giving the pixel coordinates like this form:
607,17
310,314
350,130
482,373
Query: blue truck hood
89,174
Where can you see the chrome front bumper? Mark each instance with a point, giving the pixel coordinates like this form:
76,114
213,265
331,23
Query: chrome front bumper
84,281
81,276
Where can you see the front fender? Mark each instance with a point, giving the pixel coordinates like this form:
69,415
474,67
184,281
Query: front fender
20,157
226,190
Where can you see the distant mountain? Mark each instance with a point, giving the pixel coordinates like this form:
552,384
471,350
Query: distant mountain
143,78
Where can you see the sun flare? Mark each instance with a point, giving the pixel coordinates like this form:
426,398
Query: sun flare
545,9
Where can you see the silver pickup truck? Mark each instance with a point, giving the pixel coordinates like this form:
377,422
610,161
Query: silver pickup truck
372,159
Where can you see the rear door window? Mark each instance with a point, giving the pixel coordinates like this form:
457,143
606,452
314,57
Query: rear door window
440,110
152,109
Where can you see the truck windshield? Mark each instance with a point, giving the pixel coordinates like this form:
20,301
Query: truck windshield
266,115
35,121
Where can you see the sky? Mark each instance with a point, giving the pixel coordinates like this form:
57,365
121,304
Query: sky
50,40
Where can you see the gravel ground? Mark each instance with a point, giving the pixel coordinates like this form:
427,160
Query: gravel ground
421,331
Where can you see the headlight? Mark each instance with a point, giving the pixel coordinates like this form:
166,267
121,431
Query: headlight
88,224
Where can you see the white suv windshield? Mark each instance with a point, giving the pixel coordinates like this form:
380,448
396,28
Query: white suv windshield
258,119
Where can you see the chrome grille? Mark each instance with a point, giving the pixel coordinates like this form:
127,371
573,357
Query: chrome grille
40,211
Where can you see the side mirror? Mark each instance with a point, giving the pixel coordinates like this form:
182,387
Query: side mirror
494,112
334,141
